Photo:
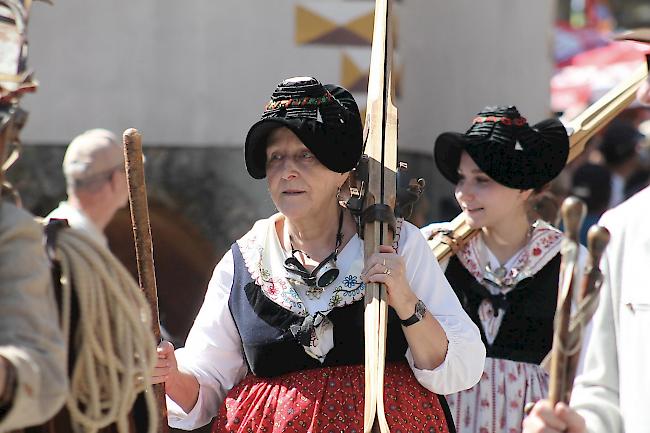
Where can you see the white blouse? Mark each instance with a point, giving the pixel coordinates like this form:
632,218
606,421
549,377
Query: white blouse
213,351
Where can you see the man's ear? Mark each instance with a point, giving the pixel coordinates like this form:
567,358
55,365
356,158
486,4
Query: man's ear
114,178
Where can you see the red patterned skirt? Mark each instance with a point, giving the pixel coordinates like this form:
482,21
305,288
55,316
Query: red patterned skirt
329,400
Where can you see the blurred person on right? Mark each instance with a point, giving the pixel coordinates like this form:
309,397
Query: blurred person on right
619,148
610,394
93,166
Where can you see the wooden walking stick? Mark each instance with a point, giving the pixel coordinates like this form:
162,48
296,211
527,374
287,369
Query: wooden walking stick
580,130
380,137
134,164
573,213
587,300
585,306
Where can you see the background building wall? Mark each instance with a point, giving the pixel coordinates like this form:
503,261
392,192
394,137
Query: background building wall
197,73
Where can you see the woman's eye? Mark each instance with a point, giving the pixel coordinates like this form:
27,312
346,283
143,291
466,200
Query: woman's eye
274,158
307,155
482,180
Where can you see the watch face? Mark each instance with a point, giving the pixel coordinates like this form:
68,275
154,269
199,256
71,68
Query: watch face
420,309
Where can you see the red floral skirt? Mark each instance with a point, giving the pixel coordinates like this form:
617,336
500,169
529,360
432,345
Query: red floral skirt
328,400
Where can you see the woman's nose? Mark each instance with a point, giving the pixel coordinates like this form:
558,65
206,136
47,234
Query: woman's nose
289,169
464,191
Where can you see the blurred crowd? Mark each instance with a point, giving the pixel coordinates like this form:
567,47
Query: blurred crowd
614,166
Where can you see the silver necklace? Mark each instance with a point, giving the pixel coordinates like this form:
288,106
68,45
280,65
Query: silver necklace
498,275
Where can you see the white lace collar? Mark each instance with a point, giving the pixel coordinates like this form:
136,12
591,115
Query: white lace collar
264,259
544,244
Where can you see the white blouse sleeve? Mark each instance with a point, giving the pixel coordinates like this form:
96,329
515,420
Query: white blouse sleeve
213,352
465,360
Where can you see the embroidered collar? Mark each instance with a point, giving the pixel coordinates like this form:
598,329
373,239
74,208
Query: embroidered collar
543,245
264,259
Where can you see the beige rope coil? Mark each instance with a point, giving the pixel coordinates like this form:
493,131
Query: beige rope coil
115,347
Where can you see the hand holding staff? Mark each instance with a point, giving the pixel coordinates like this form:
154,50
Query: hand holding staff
134,163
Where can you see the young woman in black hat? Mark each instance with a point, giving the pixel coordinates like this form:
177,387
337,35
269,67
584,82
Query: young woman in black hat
278,344
506,277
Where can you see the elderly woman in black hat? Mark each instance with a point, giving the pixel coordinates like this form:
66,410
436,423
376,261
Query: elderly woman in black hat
507,276
278,344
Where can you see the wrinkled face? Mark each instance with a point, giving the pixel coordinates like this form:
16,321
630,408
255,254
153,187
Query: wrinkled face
299,184
485,202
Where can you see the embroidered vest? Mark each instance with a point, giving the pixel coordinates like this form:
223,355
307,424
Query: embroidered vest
526,331
271,349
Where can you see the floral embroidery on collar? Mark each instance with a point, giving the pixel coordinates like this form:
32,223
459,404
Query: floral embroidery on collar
264,259
271,276
352,292
544,244
275,287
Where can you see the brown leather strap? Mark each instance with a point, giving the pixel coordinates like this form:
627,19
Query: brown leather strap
379,212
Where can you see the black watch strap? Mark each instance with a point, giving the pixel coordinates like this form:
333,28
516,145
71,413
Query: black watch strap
420,311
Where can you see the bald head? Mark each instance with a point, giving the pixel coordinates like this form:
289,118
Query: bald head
91,158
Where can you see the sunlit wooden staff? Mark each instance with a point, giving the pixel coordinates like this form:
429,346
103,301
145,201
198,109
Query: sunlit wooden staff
573,214
380,161
587,299
574,310
134,164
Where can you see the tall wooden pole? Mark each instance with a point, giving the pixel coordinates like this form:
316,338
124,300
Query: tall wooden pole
134,163
573,213
380,136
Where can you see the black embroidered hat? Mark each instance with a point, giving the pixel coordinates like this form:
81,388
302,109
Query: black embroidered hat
324,117
506,148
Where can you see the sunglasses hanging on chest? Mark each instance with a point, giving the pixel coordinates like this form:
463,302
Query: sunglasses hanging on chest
325,273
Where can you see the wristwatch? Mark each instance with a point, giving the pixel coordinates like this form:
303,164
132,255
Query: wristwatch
420,311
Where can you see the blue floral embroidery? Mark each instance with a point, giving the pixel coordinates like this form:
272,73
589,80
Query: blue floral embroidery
341,294
350,281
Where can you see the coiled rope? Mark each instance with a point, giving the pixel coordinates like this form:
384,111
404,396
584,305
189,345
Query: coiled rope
114,346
